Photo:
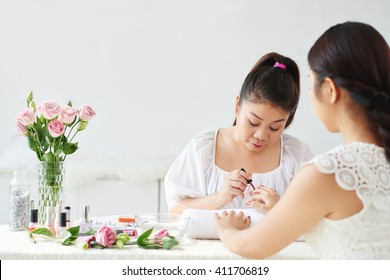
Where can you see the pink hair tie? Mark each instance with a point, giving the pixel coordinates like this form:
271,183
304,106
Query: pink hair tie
280,65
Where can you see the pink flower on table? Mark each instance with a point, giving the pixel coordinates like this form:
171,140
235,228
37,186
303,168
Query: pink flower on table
20,127
56,128
84,242
26,117
105,236
159,235
49,109
67,114
86,113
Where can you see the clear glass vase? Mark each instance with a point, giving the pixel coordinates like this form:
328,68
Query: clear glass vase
51,177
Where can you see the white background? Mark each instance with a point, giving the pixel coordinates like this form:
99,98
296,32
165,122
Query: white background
156,72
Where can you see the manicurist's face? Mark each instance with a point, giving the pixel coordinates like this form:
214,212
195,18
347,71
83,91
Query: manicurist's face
260,124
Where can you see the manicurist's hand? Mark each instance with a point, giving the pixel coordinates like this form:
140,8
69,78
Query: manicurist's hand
263,199
234,184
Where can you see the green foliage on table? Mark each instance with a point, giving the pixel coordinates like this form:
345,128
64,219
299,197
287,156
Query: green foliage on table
66,237
144,242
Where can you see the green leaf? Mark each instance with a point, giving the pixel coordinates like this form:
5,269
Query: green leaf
151,246
42,231
74,234
97,246
63,236
32,144
57,153
42,132
143,238
89,231
169,242
69,241
74,230
48,140
70,148
49,157
70,103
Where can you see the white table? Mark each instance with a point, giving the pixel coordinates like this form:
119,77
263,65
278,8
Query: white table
17,246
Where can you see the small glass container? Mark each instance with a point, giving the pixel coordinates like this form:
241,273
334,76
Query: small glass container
19,201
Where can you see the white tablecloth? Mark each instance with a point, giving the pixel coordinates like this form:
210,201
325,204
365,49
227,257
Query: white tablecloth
17,246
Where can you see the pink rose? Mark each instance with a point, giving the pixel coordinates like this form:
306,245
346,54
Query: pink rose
49,109
86,113
20,127
105,236
67,114
26,117
56,128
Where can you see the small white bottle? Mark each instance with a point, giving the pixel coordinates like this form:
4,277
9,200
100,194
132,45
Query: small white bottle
19,201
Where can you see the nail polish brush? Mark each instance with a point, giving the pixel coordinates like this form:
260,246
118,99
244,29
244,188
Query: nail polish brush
249,181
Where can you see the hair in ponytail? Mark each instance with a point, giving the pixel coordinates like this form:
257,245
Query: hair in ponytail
357,58
274,79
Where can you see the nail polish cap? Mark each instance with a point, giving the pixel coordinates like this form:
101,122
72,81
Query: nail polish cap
67,210
86,215
34,216
63,219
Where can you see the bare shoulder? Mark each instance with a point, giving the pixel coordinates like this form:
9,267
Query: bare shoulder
322,190
311,189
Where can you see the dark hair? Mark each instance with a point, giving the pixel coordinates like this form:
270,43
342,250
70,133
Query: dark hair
357,58
277,85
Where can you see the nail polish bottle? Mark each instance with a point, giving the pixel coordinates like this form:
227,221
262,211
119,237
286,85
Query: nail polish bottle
68,217
86,221
62,225
33,219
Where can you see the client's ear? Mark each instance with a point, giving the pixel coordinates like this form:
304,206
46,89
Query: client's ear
331,92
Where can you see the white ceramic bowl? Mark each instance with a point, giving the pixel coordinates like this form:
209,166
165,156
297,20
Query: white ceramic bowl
176,224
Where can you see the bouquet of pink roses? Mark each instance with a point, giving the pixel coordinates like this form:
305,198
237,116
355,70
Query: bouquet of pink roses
50,133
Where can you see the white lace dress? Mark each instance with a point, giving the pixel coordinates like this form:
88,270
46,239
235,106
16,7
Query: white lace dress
363,168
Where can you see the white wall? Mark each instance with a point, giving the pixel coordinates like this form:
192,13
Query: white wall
156,72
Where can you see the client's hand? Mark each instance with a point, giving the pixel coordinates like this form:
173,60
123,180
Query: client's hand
263,199
230,219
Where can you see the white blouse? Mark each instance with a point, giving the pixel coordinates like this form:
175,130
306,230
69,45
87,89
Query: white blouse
362,168
195,174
